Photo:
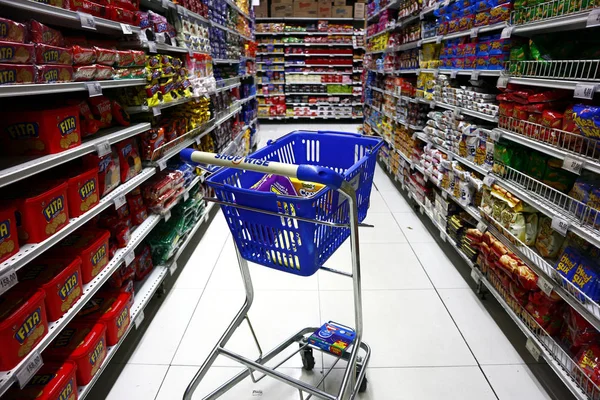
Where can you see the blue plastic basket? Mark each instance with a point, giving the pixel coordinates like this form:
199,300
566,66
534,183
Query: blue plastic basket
287,244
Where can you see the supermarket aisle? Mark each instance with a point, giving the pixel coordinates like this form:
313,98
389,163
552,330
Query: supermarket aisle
431,336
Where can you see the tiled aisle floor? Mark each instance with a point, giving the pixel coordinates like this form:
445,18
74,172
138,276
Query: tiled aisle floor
431,337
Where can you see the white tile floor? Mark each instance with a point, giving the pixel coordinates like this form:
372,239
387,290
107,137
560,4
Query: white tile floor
431,337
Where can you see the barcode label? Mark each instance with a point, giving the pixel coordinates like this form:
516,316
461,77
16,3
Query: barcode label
560,225
129,257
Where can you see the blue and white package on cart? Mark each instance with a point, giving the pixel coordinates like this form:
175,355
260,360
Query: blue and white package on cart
333,338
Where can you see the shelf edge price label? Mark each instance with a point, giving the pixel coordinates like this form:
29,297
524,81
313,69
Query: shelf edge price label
474,33
103,148
444,195
453,74
422,209
152,47
560,225
139,319
186,196
573,165
126,29
167,215
120,201
438,39
27,372
443,236
506,32
593,18
173,268
482,227
475,276
129,257
87,21
488,180
7,280
475,75
533,349
162,164
502,81
495,135
156,111
584,91
165,3
545,286
94,88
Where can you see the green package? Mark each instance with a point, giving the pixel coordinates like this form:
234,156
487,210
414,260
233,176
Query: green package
536,165
558,178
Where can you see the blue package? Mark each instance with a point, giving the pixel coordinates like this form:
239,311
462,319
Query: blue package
333,338
481,5
567,263
585,278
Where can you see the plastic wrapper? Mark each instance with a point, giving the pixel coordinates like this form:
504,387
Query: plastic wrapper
47,54
104,72
129,159
84,73
17,74
105,56
41,33
109,176
143,262
16,53
83,55
12,31
102,109
53,73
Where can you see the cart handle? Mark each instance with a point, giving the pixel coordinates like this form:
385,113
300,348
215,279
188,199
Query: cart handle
308,173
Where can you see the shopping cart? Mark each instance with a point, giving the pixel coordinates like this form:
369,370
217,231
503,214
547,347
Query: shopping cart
295,235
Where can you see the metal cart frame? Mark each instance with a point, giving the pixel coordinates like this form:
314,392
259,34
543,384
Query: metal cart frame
354,380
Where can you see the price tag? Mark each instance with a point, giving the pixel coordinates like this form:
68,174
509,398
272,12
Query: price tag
126,29
438,39
87,20
421,17
482,227
426,178
182,10
573,165
156,111
453,74
475,75
94,88
443,236
533,349
502,82
475,276
139,319
173,267
506,32
186,196
414,136
488,180
162,164
422,210
495,135
191,51
560,225
103,149
584,91
432,104
167,215
129,257
152,47
403,187
120,201
474,32
27,372
444,195
409,195
7,280
546,286
165,3
593,18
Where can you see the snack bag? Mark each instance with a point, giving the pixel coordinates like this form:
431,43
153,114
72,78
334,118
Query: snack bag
129,158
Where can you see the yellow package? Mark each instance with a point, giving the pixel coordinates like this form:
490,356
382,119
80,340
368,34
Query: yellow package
306,189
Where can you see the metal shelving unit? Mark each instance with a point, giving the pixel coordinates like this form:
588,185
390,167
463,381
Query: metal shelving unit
54,88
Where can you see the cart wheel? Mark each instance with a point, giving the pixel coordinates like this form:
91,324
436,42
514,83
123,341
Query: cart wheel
363,385
308,360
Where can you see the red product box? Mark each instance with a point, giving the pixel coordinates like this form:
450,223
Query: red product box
53,381
59,278
42,211
11,31
53,73
23,324
40,33
83,192
40,132
83,343
46,54
112,309
91,245
9,242
16,74
16,53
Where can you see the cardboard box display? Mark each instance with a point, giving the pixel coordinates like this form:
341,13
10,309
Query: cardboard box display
282,10
262,10
341,12
359,10
324,9
305,8
339,3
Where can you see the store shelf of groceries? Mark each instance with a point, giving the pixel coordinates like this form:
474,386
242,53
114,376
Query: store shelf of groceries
7,378
13,169
53,88
29,252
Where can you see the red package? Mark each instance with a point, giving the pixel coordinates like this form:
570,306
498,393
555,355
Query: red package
88,124
152,140
40,33
139,58
552,119
520,113
521,95
568,123
121,15
83,55
122,236
104,72
112,309
102,109
105,56
47,54
82,73
129,158
53,73
124,58
580,331
588,360
139,216
16,53
547,96
506,109
52,381
109,176
143,263
535,118
16,74
538,107
119,114
122,275
11,31
95,9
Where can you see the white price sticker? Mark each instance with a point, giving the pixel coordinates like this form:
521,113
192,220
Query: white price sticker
421,16
488,180
506,32
27,372
584,91
593,18
139,319
103,149
560,225
422,210
444,195
87,20
438,39
546,286
573,165
162,164
453,74
443,236
475,75
152,47
414,136
409,195
167,215
129,257
475,276
482,227
94,88
156,111
495,135
186,196
533,349
502,82
120,201
198,138
7,280
182,11
126,29
426,178
474,33
403,186
432,104
165,3
173,267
